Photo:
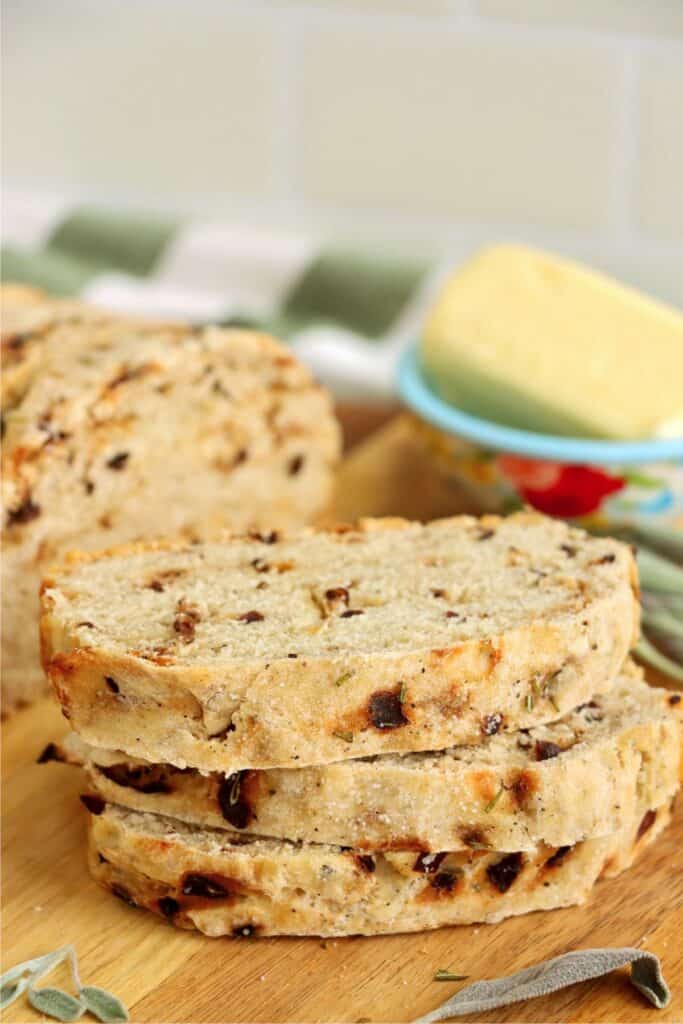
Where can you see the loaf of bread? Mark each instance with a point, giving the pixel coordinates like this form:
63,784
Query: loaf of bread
117,429
223,884
587,775
328,645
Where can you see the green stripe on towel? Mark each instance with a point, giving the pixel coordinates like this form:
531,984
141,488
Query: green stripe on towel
109,240
361,291
56,272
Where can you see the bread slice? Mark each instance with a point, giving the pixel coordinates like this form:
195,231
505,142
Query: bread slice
117,429
587,775
324,646
223,884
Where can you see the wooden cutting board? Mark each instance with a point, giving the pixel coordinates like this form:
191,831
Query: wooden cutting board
168,975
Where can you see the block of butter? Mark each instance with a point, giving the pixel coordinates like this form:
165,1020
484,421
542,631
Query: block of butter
532,341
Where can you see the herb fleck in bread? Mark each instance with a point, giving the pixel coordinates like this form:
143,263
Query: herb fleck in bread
324,646
587,775
223,884
117,429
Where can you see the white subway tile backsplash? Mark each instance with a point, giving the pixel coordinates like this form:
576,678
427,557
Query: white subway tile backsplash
141,96
473,127
445,123
660,150
650,17
387,6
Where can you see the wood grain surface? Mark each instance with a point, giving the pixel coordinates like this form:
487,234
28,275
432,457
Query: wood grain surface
168,975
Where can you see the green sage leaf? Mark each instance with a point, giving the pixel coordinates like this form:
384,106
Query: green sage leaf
39,964
11,991
103,1005
55,1003
16,980
659,574
662,621
553,975
648,653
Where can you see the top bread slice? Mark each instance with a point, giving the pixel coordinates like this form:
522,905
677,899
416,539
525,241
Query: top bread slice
284,650
118,429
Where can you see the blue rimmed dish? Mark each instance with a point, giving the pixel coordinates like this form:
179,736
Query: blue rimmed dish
602,482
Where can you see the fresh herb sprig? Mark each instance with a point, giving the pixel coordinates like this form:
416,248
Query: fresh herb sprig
52,1001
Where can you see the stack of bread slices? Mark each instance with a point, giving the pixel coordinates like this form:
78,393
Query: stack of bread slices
380,728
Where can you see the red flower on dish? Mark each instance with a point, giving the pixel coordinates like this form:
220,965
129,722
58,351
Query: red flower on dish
557,489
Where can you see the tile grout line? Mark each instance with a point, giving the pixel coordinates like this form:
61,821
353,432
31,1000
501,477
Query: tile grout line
287,113
626,150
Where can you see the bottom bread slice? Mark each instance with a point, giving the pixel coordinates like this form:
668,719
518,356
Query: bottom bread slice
225,884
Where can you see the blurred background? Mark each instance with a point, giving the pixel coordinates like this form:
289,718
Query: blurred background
318,167
429,126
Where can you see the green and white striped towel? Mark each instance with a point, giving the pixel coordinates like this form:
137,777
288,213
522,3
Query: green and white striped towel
348,312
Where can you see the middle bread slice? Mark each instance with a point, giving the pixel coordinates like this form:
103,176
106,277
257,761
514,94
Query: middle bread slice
585,776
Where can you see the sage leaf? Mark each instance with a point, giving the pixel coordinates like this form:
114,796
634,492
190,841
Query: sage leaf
649,653
103,1005
30,968
55,1003
11,991
555,974
16,980
649,981
658,573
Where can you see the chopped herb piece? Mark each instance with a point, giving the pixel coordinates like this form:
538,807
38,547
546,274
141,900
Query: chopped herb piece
346,736
343,678
494,800
403,693
529,702
443,974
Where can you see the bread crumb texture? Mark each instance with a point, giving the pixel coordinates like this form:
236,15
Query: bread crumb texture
306,648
